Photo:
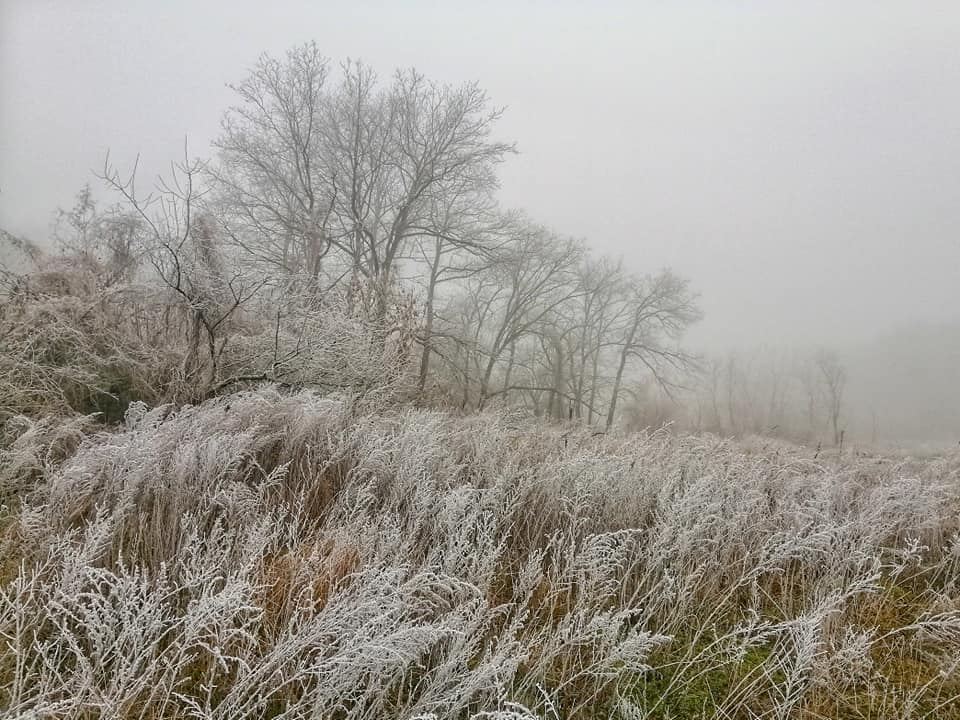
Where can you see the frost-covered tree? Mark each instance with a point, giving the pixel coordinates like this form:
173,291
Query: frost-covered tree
314,161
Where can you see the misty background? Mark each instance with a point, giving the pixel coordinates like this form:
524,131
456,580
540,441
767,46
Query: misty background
800,164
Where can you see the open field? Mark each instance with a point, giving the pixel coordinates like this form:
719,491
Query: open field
292,556
479,361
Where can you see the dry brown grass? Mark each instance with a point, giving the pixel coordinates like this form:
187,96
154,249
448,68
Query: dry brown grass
270,555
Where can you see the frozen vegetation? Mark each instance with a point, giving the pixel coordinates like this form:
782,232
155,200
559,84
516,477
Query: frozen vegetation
320,431
287,555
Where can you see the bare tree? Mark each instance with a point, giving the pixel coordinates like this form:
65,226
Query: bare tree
467,230
356,167
535,277
109,238
596,313
180,243
397,153
834,378
275,185
659,310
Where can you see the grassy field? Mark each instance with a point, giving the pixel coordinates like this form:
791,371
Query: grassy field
269,555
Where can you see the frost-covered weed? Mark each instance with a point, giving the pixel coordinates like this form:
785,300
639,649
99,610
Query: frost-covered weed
272,555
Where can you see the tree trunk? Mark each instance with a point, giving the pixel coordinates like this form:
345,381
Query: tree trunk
593,387
611,413
428,328
627,346
485,380
558,385
510,363
191,360
425,357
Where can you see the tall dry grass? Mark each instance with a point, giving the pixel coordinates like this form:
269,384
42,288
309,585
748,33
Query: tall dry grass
293,556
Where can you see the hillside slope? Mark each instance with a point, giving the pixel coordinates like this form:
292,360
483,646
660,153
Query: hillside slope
293,556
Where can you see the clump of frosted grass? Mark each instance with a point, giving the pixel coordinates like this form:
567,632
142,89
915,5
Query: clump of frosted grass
288,555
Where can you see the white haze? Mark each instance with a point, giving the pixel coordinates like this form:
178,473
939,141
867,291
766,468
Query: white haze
799,162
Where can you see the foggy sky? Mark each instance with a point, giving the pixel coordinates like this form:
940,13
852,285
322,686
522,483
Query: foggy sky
798,161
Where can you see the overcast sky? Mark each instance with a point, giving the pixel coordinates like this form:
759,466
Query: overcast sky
798,161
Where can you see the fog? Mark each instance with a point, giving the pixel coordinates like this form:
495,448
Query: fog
799,163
